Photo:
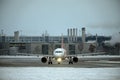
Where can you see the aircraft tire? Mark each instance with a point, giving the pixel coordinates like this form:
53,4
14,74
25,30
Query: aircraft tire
70,62
49,62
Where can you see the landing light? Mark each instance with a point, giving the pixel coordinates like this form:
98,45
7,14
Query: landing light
59,59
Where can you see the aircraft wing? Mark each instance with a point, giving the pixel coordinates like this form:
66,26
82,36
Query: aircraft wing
97,58
75,58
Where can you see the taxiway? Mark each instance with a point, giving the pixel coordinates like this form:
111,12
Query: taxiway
35,61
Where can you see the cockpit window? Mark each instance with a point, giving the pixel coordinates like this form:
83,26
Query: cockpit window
58,51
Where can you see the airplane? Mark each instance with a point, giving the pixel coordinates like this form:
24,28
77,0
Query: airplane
59,55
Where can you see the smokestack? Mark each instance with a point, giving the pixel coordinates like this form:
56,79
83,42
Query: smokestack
76,35
68,31
96,38
73,34
83,35
16,36
96,43
70,34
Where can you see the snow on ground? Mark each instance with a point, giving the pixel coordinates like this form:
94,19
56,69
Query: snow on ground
58,73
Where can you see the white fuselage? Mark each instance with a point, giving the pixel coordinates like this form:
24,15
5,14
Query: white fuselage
59,53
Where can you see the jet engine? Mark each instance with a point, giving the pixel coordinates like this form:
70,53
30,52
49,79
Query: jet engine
75,59
44,59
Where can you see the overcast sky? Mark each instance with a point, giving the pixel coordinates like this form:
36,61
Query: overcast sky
33,17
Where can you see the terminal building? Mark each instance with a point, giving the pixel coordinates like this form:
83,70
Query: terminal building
46,44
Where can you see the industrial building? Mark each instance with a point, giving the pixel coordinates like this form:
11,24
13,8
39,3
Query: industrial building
45,44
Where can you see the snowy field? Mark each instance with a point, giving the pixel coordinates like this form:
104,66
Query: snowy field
58,73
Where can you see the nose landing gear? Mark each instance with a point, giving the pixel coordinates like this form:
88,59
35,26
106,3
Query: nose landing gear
50,60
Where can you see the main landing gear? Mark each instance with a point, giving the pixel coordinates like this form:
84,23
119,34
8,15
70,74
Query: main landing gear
70,61
50,60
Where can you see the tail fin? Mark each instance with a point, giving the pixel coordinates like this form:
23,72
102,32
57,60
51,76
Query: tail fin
62,44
